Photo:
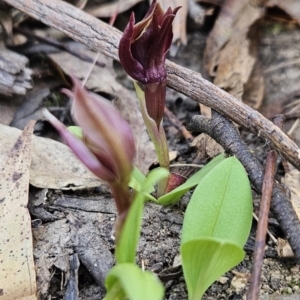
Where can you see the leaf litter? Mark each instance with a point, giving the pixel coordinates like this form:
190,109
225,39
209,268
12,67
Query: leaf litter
66,173
17,275
236,68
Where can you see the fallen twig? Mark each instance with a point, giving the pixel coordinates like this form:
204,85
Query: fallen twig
178,125
101,37
262,227
227,135
72,282
260,240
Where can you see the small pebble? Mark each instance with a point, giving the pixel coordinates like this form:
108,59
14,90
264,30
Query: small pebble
223,279
266,287
288,278
296,288
238,284
177,260
295,270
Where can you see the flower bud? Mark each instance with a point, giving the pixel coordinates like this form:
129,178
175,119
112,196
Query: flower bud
142,51
107,145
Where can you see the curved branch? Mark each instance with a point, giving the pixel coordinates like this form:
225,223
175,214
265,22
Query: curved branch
101,37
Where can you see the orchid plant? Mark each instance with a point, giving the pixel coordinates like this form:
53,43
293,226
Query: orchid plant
212,236
142,51
104,132
97,143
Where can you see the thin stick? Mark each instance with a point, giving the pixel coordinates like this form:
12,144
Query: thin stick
111,23
294,127
294,115
101,37
178,124
262,227
260,240
187,165
268,231
90,69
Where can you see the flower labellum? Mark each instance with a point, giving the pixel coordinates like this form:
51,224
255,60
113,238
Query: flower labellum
142,51
107,146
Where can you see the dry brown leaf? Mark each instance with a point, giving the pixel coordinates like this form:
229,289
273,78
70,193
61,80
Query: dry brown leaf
53,164
236,60
109,9
294,132
292,180
104,80
205,110
254,89
179,23
100,79
17,274
284,249
230,55
208,145
221,32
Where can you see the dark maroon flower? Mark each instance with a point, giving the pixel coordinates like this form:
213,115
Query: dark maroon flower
142,51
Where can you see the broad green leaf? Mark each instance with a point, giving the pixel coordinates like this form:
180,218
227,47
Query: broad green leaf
77,131
176,194
128,281
205,260
126,246
221,205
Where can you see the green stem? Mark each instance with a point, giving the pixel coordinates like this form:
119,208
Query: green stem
116,292
158,137
122,199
